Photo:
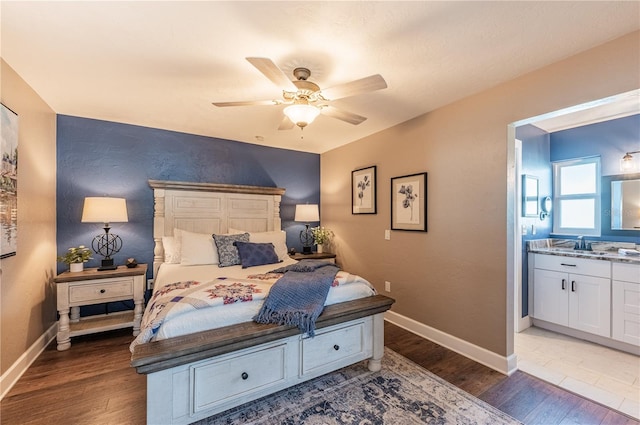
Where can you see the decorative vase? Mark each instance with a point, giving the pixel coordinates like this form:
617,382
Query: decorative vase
76,267
319,248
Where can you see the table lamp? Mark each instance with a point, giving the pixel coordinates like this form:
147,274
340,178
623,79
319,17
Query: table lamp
307,213
105,210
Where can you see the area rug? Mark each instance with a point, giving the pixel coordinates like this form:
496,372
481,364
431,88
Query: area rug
402,393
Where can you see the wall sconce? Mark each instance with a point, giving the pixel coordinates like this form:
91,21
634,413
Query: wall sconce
627,163
105,210
545,208
307,213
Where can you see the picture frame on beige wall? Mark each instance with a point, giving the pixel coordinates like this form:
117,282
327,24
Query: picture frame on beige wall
8,182
363,191
409,202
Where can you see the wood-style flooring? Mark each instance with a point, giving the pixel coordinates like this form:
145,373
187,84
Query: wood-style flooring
92,383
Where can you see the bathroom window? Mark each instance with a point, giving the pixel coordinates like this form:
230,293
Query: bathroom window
576,187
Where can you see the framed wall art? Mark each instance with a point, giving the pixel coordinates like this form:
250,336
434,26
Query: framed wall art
409,202
8,182
363,191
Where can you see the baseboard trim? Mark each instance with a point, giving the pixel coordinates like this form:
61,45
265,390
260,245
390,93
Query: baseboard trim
11,376
504,365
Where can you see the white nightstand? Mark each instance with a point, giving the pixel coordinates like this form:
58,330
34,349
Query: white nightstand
94,287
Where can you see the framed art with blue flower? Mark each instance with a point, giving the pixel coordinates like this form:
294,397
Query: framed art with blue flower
409,202
363,191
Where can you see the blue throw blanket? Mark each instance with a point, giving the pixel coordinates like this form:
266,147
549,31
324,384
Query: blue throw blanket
298,297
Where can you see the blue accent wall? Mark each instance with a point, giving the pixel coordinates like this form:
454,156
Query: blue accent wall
611,140
535,162
101,158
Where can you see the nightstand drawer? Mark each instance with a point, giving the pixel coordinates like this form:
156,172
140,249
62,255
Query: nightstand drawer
101,290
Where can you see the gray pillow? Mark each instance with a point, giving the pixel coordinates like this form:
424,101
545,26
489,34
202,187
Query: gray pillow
227,252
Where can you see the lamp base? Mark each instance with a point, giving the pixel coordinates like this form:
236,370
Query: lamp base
107,264
306,250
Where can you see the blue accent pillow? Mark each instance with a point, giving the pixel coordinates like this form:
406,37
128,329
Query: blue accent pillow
256,254
227,252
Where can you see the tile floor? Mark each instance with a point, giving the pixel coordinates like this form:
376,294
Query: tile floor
607,376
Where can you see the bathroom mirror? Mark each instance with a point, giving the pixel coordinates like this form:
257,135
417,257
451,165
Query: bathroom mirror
625,204
529,196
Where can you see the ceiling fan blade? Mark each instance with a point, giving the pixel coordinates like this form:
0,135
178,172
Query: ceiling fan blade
363,85
245,103
273,73
349,117
286,124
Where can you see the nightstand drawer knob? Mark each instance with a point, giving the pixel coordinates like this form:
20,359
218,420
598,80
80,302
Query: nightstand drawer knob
102,291
244,375
336,347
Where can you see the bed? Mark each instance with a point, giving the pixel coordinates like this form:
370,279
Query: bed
202,361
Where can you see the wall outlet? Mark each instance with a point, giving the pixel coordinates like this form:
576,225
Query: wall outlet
387,234
387,286
150,284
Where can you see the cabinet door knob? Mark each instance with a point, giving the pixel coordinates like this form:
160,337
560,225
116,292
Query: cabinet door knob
244,375
336,347
573,286
564,284
102,291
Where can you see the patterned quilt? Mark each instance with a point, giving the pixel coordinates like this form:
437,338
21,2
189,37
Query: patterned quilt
174,300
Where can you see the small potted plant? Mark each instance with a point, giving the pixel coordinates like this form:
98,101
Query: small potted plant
76,257
321,236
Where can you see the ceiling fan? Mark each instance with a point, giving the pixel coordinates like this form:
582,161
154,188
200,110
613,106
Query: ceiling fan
306,99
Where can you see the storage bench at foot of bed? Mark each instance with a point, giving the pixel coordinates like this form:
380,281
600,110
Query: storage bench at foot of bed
182,391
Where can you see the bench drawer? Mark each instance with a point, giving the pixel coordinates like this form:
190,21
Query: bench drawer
333,346
219,381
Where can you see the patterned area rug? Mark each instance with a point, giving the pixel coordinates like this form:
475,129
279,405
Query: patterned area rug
401,393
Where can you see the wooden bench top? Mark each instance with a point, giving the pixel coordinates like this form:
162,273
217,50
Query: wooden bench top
164,354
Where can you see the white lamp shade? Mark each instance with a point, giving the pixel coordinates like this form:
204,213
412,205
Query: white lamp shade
307,213
301,115
104,210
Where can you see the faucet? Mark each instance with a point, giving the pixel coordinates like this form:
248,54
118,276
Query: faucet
582,244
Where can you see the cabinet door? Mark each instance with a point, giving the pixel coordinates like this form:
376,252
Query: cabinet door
626,312
550,296
590,304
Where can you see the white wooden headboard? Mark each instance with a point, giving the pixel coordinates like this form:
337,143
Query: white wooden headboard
211,208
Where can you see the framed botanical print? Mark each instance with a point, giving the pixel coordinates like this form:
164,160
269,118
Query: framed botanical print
363,191
409,202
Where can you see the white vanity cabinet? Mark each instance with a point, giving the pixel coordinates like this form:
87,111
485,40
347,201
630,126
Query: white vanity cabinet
626,303
573,292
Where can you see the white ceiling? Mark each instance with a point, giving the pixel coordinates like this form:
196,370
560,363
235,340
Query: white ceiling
161,64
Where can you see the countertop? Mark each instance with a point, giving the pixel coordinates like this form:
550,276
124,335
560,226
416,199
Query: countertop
601,250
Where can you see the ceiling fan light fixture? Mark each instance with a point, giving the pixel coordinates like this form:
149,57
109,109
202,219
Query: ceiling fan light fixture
301,114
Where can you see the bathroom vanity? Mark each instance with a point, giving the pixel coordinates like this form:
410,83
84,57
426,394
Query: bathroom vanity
592,295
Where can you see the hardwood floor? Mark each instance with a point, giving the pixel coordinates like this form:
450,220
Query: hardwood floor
92,383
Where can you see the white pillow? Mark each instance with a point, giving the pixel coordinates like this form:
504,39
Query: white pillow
171,245
277,237
197,248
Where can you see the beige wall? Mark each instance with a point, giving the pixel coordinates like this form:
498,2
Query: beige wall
27,296
454,277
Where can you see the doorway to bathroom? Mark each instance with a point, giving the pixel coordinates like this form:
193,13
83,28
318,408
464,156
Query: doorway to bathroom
577,365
